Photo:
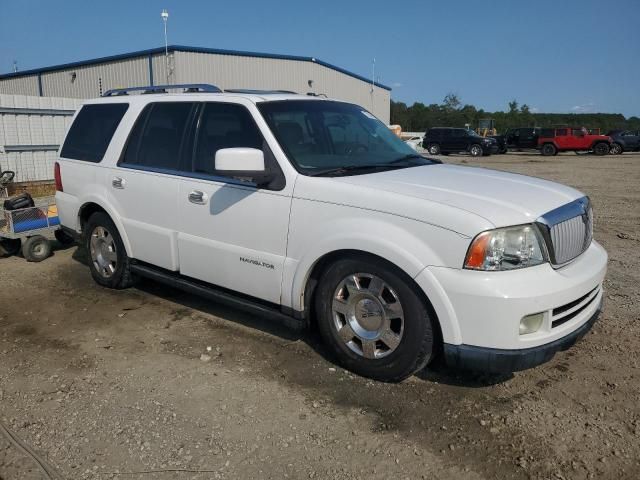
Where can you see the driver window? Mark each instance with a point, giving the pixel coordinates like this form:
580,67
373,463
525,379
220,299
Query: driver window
223,125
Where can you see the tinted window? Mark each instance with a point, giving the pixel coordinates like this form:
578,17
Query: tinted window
561,132
159,138
547,132
224,125
458,132
92,130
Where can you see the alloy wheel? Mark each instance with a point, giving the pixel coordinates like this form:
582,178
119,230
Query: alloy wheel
368,315
103,252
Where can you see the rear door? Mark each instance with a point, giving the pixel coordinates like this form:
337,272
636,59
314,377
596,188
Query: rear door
232,233
631,140
562,138
527,138
145,184
459,140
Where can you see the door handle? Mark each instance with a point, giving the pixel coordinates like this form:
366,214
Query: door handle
198,197
117,182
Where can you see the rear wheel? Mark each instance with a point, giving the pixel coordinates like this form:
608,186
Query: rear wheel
549,149
36,248
434,149
616,149
373,320
475,150
601,148
9,246
108,260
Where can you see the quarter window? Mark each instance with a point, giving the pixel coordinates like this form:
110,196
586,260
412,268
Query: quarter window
160,137
92,130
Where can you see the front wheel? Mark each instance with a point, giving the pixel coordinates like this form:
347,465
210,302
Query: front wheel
475,150
108,260
434,149
373,320
616,149
601,149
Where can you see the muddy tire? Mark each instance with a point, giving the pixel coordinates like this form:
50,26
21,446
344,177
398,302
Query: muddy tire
36,248
374,320
108,261
548,150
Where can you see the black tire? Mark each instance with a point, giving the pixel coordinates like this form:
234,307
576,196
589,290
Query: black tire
10,246
63,237
601,149
503,151
616,149
118,275
417,341
433,149
548,150
36,248
476,150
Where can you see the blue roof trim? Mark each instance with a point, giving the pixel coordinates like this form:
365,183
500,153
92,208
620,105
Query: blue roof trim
183,48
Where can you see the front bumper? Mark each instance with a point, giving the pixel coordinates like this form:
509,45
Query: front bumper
494,360
481,311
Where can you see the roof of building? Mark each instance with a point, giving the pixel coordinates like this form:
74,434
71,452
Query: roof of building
182,48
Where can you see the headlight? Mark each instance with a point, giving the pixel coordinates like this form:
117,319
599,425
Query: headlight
506,249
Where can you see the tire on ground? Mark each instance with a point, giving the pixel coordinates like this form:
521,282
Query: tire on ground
433,149
417,343
10,246
548,149
601,148
36,248
121,276
475,150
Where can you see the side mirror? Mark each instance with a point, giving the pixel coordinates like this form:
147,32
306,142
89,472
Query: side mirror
244,163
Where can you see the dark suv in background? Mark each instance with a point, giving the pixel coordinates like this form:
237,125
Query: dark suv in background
456,140
624,141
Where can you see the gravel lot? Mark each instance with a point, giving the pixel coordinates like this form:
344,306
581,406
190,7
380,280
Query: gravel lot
115,385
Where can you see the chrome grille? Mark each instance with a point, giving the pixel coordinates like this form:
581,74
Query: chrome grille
568,230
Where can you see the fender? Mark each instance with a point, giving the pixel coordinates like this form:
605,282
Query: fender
408,249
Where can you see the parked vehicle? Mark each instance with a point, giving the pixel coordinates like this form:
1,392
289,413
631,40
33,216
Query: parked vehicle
624,141
523,138
565,139
28,226
313,211
414,142
445,140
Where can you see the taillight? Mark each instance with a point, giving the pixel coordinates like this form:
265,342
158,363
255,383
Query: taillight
58,177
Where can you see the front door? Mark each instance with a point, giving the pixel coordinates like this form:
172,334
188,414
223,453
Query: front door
231,233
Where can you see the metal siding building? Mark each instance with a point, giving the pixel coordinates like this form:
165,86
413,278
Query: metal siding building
224,68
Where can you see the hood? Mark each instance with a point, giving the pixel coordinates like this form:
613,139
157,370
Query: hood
463,199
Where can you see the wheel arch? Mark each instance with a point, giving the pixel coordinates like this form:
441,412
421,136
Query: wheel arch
329,258
92,206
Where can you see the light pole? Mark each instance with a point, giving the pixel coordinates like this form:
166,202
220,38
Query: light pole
165,17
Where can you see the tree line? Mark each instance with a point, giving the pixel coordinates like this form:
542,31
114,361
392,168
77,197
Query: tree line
452,113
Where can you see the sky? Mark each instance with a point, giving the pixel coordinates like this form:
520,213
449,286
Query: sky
554,55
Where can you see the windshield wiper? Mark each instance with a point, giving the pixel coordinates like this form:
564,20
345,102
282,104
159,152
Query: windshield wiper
402,162
352,168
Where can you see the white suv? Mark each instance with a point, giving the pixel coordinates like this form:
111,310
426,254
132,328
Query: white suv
313,210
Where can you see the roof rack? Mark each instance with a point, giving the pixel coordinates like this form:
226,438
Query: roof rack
259,92
188,88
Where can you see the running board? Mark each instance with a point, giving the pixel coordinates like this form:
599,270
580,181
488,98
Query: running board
217,295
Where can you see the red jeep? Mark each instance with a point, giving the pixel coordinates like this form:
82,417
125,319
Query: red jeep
566,139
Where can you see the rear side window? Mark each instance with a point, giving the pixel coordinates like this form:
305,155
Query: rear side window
92,130
160,137
223,125
562,132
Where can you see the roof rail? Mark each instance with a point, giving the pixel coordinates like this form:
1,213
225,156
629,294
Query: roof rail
188,88
258,92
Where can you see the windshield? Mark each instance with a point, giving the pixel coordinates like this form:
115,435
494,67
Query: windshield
320,136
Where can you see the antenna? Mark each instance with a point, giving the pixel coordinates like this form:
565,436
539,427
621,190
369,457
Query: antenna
165,18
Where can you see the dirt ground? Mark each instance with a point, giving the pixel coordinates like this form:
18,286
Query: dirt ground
109,384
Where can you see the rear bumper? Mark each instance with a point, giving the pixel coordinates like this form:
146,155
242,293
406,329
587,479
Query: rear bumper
494,360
